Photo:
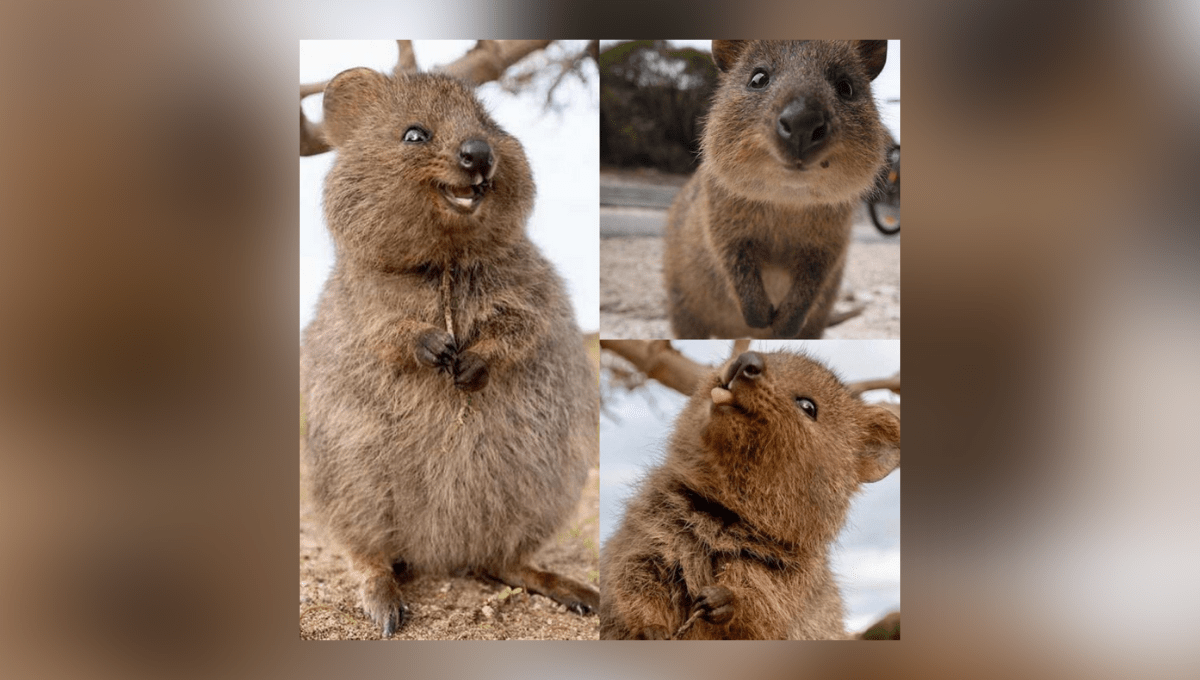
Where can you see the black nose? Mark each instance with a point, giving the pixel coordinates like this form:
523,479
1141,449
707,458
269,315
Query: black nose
803,127
475,155
748,366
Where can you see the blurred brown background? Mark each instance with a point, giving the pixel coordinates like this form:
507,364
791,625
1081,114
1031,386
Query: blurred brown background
147,340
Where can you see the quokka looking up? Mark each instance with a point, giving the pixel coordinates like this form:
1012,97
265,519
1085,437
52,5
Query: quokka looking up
756,240
451,408
729,538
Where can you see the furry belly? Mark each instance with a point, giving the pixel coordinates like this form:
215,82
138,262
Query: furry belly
777,281
474,481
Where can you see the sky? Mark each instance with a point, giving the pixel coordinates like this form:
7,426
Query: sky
562,146
866,560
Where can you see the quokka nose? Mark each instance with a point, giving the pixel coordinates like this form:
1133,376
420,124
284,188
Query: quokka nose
748,366
475,155
803,127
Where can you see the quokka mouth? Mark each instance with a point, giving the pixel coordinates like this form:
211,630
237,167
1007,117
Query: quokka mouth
723,394
819,161
739,376
466,199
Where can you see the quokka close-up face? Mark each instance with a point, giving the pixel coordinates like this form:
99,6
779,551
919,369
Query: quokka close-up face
419,151
795,121
731,535
785,415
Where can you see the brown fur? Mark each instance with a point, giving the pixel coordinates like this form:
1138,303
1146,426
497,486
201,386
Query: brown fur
431,450
756,241
887,628
736,523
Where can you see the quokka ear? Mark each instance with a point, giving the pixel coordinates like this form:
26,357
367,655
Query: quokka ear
347,98
879,453
873,54
726,52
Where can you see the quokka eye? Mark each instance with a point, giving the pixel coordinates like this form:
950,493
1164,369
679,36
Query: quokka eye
759,79
844,88
416,135
808,406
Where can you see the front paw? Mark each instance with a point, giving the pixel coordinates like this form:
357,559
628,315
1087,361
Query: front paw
715,604
757,311
436,348
788,325
470,372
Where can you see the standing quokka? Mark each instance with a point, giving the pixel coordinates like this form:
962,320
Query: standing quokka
729,537
452,410
756,241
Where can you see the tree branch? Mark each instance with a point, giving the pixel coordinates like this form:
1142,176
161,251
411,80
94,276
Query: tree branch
836,318
406,62
740,346
312,88
892,383
312,138
489,59
660,361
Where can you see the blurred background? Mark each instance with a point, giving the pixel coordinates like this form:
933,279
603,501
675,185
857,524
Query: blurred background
638,417
654,95
148,350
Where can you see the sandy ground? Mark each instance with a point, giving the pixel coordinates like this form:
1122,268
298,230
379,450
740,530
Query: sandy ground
632,297
633,302
452,608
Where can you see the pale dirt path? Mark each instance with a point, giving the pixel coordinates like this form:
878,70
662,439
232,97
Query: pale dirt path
633,303
452,608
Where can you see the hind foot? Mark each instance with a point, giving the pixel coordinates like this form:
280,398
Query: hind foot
572,594
381,600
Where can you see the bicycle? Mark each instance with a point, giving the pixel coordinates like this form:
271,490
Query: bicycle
884,202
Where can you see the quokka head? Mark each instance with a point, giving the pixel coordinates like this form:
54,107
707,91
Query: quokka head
422,170
795,120
783,421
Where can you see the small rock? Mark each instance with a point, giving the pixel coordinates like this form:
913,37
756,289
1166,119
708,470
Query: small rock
488,611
